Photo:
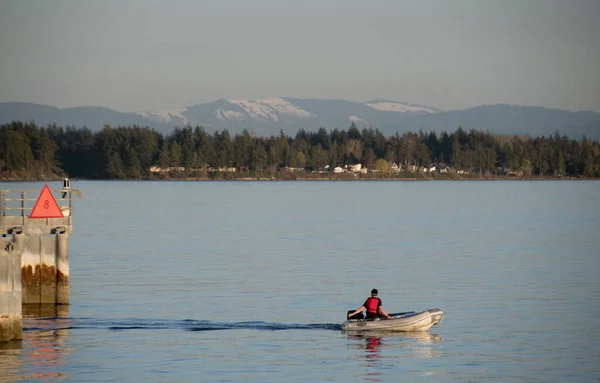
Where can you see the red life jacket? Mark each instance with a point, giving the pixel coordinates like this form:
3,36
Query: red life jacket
372,305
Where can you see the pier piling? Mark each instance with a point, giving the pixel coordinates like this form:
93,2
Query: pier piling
10,294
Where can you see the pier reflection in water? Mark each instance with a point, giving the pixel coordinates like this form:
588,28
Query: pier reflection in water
41,353
376,343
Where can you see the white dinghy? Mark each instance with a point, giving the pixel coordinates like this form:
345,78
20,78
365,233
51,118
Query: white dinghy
407,321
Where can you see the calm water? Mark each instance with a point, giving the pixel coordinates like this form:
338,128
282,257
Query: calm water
249,281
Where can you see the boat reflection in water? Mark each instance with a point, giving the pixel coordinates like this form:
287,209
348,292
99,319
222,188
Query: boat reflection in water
10,361
418,344
40,356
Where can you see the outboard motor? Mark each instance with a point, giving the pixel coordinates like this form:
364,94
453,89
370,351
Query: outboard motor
358,315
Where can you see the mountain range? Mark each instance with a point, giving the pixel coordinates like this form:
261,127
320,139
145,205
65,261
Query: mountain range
265,117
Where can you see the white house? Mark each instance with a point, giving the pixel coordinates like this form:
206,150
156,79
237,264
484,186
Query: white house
158,169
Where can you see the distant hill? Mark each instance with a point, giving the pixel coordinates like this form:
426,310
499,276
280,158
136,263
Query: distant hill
269,116
93,117
510,119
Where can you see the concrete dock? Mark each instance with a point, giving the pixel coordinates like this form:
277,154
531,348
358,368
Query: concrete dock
34,252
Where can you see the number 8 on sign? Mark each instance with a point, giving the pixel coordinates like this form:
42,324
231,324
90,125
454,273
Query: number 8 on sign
46,206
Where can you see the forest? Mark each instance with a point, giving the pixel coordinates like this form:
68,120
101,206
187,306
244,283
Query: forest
28,151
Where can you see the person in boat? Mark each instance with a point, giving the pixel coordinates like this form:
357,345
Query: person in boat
374,307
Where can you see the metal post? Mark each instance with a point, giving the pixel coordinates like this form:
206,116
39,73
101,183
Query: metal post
23,205
1,207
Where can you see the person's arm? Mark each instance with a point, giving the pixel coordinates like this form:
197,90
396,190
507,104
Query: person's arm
382,311
361,308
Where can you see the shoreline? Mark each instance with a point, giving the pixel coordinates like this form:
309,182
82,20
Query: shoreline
286,179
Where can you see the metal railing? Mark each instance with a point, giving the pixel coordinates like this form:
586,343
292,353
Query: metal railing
16,205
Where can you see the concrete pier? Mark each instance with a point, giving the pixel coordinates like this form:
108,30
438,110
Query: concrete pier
10,292
45,268
34,257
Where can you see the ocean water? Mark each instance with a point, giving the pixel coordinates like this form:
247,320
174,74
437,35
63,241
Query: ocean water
249,281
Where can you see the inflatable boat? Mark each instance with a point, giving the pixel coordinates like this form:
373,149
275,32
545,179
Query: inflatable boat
407,321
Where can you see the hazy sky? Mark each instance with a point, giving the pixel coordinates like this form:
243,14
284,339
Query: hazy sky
134,55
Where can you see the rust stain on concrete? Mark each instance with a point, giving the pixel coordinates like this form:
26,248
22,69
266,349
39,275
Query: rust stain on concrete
47,274
43,274
62,279
44,284
27,275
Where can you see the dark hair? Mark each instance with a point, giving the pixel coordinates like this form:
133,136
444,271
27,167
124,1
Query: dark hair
374,292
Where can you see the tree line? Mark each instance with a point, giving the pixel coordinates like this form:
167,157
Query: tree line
130,152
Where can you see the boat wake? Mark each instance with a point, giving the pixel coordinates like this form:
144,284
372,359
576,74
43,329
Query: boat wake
44,324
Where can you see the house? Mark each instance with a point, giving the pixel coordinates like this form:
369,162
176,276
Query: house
229,169
291,169
158,169
354,168
445,169
439,167
338,169
394,167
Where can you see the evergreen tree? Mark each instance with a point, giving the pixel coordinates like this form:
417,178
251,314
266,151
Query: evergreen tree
129,152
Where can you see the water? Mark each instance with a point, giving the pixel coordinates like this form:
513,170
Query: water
249,281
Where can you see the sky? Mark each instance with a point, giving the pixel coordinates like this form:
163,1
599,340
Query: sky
141,55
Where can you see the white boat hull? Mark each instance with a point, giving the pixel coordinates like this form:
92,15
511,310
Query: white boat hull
412,322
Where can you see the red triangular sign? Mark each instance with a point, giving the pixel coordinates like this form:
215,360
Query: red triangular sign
46,206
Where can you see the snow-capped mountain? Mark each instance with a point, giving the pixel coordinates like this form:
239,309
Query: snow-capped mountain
394,106
167,116
268,110
288,114
265,117
278,109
